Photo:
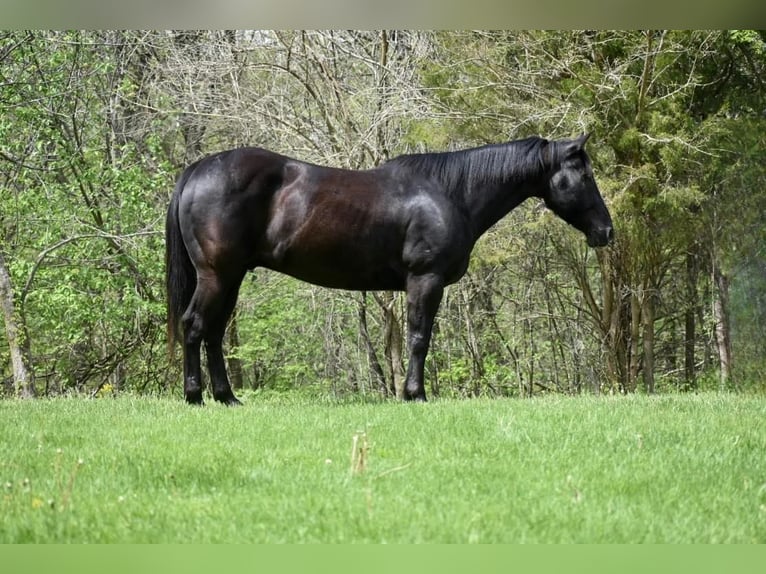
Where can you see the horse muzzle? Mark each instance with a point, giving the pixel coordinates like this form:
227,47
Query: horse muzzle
601,236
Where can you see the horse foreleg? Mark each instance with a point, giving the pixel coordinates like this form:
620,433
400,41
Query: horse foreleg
424,294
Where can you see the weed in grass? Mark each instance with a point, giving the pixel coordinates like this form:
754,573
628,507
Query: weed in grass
359,449
60,487
65,489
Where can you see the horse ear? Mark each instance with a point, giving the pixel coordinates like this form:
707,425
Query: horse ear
576,145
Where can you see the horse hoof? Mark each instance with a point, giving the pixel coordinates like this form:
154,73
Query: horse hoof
230,401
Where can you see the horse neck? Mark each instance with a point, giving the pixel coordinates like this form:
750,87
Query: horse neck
492,189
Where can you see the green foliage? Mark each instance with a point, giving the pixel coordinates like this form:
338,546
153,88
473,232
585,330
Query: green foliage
676,469
94,127
81,218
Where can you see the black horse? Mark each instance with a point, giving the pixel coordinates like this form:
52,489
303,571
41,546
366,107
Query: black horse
409,224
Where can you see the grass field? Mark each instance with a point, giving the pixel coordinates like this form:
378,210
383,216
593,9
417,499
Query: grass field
668,469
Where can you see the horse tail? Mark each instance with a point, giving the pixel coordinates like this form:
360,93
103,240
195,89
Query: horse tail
180,274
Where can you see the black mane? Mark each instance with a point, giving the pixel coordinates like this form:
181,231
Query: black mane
496,163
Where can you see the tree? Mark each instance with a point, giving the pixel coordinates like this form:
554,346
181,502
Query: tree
642,95
75,208
17,336
95,126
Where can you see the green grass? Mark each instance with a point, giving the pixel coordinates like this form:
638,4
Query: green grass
674,469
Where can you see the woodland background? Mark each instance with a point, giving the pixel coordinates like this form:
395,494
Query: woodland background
96,125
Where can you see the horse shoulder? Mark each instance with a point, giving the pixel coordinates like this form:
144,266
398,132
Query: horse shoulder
438,234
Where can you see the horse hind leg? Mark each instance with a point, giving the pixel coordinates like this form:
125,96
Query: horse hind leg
193,329
205,319
219,378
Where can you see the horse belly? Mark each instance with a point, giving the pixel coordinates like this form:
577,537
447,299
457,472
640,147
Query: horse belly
343,267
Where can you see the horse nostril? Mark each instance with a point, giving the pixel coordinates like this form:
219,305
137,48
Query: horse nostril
609,234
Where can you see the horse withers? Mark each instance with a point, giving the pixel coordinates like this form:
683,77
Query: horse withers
409,224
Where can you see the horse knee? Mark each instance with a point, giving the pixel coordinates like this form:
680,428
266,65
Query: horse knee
419,343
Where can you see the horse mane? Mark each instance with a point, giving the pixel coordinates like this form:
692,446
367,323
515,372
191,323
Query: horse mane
494,163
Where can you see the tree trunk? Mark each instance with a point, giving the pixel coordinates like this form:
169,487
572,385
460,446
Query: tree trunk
18,338
372,356
690,376
635,334
648,341
615,322
236,372
471,338
393,341
722,325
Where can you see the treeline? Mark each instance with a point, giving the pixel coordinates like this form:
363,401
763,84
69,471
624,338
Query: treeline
95,127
